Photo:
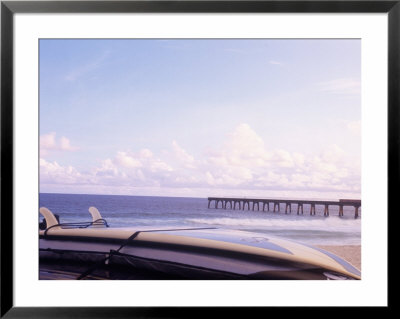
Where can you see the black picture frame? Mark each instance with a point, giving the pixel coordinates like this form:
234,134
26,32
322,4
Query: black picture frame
9,8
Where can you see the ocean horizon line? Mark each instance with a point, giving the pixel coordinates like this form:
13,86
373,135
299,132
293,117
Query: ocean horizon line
228,196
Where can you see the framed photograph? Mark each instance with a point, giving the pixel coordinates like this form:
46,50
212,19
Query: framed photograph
180,154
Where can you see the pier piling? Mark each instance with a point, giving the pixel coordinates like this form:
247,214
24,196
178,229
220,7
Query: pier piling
299,207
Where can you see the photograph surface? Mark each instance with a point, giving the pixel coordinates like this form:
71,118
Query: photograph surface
200,159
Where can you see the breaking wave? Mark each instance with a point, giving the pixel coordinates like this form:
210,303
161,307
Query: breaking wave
327,224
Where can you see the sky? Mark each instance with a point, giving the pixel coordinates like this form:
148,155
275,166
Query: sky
201,117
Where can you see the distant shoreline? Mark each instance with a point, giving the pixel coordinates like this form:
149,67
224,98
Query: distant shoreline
351,253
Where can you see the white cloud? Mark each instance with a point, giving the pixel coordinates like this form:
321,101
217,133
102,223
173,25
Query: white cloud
249,164
244,147
91,65
273,62
343,86
54,173
124,160
107,169
134,169
245,140
355,127
145,153
182,156
65,144
283,158
333,154
243,162
48,143
298,159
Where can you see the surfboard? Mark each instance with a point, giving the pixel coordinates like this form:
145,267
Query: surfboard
200,253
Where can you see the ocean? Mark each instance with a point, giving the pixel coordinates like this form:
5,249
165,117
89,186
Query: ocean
158,212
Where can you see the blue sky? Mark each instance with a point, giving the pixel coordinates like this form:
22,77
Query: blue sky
201,117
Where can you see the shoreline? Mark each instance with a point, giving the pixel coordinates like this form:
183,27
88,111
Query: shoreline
350,253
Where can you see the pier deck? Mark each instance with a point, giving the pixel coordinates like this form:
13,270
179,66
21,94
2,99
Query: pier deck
252,203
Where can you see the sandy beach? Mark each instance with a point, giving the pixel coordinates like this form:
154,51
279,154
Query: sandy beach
351,253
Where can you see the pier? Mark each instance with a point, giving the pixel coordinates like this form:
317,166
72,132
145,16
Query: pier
264,203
